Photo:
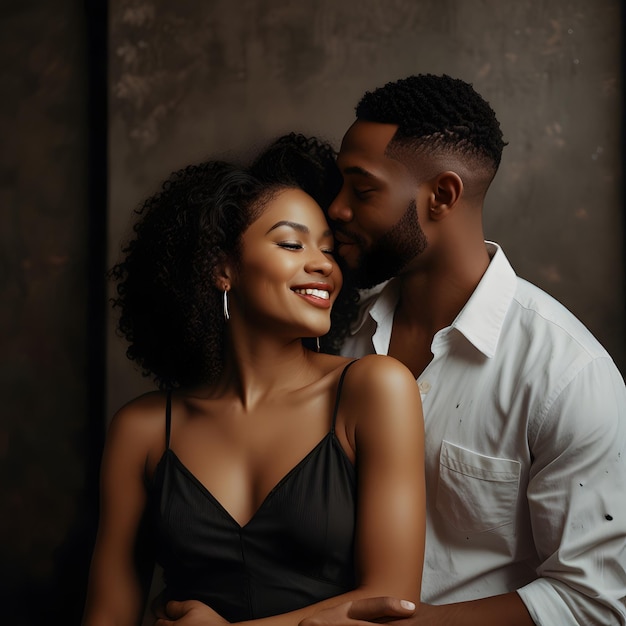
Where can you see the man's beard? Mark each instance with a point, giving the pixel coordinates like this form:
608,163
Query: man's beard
388,256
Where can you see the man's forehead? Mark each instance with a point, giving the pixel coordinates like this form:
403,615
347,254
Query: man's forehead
364,150
368,137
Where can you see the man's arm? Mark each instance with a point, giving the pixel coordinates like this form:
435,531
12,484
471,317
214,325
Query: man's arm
577,508
578,512
576,500
494,611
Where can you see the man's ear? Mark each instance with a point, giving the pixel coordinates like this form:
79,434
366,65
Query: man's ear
447,189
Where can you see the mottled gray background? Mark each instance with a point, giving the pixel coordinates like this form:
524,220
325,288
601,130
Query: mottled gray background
189,79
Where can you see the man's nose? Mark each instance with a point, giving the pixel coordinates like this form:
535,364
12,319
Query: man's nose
339,209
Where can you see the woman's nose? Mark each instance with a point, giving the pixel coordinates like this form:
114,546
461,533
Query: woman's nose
321,263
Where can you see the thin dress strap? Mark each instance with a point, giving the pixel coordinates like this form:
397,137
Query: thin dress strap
339,387
168,419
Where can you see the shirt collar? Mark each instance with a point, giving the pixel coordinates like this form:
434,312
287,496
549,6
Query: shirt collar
482,317
377,303
480,320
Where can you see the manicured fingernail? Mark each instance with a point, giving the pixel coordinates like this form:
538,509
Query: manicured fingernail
405,604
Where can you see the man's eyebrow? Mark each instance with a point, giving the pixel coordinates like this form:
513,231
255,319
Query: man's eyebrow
295,225
359,171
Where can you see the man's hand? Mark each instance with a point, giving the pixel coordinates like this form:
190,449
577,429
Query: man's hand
492,611
362,612
188,613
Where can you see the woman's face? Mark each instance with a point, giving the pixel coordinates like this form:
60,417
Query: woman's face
287,278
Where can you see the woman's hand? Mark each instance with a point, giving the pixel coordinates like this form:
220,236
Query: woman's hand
188,613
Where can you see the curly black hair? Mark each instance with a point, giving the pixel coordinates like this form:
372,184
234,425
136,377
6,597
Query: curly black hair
308,163
170,308
435,112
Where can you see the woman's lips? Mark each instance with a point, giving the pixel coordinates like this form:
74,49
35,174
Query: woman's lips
317,296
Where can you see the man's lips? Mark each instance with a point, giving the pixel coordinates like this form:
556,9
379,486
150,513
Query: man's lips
348,247
349,238
343,239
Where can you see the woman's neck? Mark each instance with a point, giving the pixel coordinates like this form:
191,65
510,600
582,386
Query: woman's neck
258,370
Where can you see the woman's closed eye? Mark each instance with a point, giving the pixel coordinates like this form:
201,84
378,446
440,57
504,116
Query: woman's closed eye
296,245
290,245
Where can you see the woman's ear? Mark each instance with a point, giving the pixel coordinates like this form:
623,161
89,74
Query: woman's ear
223,276
447,188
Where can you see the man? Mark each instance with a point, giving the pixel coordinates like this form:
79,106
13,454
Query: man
525,411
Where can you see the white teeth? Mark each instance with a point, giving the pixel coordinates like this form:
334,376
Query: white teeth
318,293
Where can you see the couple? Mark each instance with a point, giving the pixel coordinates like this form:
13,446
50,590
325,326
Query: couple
278,483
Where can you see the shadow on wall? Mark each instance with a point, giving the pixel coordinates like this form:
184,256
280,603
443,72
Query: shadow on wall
30,600
52,242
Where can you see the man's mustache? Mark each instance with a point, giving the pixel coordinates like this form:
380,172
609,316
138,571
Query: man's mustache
347,236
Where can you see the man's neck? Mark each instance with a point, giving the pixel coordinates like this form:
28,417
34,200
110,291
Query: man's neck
430,300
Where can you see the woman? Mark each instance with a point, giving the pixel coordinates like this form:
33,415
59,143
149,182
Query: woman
267,479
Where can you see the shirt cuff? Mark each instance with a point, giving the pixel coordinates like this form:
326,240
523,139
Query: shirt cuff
551,602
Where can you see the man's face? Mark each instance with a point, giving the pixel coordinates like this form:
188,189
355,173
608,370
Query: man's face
375,216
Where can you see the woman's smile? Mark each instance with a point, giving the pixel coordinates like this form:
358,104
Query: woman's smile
318,295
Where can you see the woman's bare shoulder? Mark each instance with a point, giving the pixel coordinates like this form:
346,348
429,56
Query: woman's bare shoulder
141,415
381,371
375,382
380,398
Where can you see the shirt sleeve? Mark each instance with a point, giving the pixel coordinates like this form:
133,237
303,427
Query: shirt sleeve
577,500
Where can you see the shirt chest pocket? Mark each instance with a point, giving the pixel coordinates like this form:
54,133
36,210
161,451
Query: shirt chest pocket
477,493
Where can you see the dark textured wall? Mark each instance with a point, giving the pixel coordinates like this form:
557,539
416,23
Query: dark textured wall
191,79
46,446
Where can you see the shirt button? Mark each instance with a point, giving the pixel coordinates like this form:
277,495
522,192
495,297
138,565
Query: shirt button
424,386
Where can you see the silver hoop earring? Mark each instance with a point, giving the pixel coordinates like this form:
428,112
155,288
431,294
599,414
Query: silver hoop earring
226,312
317,343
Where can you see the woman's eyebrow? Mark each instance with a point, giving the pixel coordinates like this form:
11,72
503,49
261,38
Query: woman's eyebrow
299,227
295,225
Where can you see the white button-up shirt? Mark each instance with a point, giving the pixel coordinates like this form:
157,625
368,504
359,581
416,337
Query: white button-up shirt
525,417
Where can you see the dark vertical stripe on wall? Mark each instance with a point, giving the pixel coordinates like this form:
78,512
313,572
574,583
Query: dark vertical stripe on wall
67,599
97,33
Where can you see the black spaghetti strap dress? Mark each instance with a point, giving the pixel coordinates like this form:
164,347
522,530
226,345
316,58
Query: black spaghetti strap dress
297,549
